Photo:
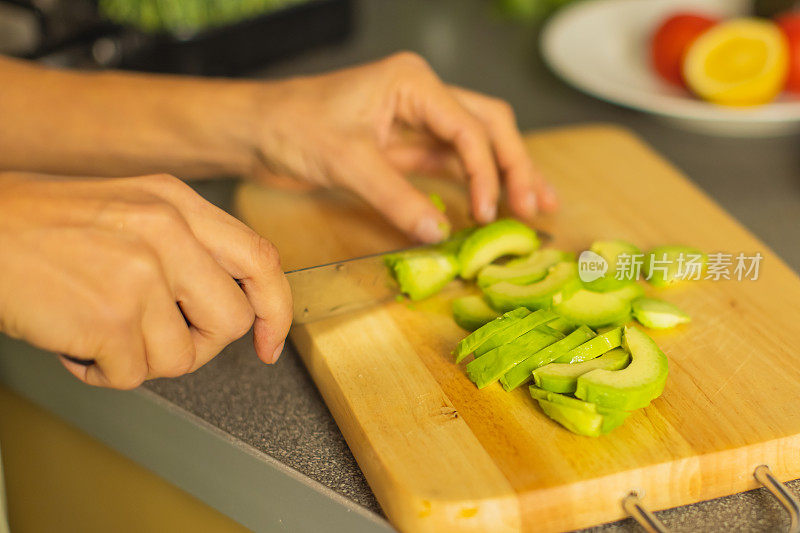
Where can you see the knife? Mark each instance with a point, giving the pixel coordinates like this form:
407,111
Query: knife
342,287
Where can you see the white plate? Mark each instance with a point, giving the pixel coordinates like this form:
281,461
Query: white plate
602,47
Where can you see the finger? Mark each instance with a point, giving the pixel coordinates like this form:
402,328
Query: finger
169,344
120,364
244,255
425,159
423,100
527,189
367,173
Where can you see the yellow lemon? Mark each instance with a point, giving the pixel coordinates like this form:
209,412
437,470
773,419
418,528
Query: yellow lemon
740,62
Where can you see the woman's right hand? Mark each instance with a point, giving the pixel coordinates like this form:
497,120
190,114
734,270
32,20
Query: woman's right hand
141,275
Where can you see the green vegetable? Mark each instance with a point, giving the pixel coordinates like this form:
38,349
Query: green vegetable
436,200
515,330
422,273
595,309
658,314
577,416
633,387
475,339
610,251
522,271
561,377
522,372
629,292
666,265
595,347
472,312
559,284
503,237
564,326
492,365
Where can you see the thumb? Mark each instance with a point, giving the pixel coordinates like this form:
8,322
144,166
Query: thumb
369,174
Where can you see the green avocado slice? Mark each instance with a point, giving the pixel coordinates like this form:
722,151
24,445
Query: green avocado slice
563,377
559,284
422,273
521,373
595,347
595,309
503,237
610,251
492,365
634,386
522,271
521,326
472,312
472,341
580,417
662,265
658,314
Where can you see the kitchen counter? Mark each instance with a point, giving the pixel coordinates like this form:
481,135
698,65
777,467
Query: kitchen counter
265,449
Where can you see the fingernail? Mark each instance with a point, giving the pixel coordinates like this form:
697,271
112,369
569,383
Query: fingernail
488,213
530,203
277,353
431,229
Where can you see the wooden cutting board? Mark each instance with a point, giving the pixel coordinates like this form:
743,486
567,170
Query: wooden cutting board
442,456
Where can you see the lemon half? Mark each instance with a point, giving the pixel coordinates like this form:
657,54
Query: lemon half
741,62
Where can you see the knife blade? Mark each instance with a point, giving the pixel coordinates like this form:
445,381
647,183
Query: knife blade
342,287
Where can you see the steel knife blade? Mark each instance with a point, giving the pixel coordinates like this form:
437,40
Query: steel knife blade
342,287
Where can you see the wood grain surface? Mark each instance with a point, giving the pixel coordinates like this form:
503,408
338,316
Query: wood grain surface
443,456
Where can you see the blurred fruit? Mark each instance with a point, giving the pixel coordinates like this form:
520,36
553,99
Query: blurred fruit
790,24
672,39
740,62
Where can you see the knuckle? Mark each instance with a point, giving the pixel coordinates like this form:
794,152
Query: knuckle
503,110
408,59
163,180
159,215
141,266
265,255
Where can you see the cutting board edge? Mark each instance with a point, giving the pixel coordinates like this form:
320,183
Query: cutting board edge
406,509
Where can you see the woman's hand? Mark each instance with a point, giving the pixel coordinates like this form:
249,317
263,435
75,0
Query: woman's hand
363,127
138,274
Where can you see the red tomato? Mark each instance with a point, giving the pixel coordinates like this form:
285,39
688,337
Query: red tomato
790,24
672,39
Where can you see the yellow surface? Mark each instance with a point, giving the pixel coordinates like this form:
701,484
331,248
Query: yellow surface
59,479
442,455
739,62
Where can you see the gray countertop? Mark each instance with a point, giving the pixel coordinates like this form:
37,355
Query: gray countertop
278,411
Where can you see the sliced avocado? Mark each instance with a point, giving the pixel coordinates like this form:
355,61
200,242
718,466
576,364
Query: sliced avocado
662,265
595,347
422,273
492,365
610,251
634,386
629,292
515,330
522,271
564,326
580,417
559,284
472,341
472,312
658,314
563,377
522,372
503,237
595,309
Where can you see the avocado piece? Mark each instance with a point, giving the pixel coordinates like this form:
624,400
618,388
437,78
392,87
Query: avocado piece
492,365
658,314
629,292
563,377
503,237
564,326
610,251
580,417
522,372
559,284
594,347
515,330
595,309
472,341
472,312
661,265
634,386
422,273
522,271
